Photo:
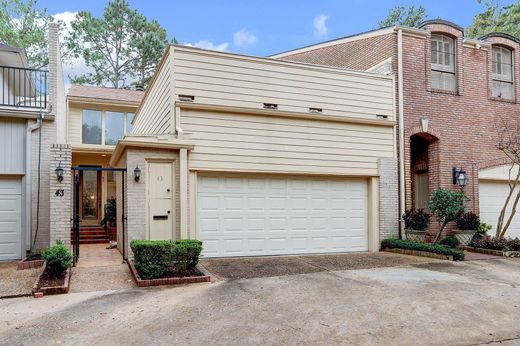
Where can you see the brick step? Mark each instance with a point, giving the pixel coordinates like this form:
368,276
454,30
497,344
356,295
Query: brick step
93,241
90,233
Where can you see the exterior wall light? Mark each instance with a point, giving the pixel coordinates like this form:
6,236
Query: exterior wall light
59,172
137,174
459,177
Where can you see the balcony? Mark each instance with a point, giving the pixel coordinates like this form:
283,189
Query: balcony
23,88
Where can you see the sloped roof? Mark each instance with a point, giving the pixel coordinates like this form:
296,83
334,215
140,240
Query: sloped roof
104,93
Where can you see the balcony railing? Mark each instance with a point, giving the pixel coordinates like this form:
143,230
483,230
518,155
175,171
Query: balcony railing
23,87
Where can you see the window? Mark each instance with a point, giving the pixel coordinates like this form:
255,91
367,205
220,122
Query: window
114,127
443,63
91,128
129,127
502,68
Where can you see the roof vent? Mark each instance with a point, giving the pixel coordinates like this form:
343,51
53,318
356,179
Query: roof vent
186,98
270,106
315,110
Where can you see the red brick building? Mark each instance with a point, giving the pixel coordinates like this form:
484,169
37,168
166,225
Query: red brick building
450,92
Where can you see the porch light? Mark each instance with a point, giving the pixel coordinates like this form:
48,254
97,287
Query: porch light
59,172
137,174
459,177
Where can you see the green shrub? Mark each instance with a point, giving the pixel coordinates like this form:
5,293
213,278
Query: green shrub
152,257
416,219
450,241
489,243
468,222
482,230
513,244
458,255
186,254
58,258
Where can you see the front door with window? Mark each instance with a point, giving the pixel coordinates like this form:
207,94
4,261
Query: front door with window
90,192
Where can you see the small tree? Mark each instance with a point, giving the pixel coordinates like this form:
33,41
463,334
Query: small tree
400,15
446,205
509,145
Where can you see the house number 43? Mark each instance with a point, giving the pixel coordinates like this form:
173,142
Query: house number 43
59,193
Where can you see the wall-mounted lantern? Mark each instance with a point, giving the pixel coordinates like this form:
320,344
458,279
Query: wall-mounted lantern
459,177
137,174
59,172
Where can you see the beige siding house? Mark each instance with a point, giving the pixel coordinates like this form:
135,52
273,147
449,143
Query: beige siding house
256,156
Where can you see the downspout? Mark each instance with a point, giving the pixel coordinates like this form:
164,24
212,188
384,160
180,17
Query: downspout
401,129
28,180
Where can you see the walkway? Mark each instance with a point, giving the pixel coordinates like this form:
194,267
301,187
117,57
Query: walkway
100,269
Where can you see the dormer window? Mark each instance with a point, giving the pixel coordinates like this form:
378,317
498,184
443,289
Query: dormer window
443,63
502,73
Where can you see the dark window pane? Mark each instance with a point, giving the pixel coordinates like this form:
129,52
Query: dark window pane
91,129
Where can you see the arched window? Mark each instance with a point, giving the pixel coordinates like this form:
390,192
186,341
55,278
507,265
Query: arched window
443,63
503,82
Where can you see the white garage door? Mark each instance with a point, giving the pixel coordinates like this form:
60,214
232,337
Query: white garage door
10,219
492,196
250,216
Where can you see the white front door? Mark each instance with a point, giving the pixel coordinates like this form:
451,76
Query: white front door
160,201
252,216
10,218
492,196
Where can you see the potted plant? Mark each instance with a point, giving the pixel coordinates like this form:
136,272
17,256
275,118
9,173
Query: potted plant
415,224
467,226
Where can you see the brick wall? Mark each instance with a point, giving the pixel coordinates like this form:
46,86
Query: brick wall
60,205
388,199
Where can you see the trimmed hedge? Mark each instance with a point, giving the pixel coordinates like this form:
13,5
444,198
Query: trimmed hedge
58,258
155,258
458,255
152,257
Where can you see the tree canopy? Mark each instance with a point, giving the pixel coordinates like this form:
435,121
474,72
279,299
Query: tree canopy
24,25
495,18
400,15
122,47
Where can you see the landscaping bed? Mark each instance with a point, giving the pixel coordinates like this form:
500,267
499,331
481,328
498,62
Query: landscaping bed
49,284
166,262
422,249
17,283
494,246
30,264
170,278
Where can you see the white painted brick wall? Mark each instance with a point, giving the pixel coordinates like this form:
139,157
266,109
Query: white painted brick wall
388,199
60,206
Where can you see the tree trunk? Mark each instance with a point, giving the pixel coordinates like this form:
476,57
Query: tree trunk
510,218
440,232
500,222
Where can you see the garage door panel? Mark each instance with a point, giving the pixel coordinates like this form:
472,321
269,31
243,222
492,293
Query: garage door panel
241,216
10,219
492,196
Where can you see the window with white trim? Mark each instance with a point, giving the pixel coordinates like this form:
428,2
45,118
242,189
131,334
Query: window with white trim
443,63
502,73
105,127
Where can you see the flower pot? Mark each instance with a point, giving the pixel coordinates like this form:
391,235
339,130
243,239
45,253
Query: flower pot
415,235
463,236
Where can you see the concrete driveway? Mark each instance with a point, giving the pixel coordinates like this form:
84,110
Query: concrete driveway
434,303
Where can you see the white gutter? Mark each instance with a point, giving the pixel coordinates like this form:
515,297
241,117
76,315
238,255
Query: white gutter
27,182
401,126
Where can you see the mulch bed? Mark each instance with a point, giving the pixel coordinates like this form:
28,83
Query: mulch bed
196,276
492,252
17,283
420,253
52,285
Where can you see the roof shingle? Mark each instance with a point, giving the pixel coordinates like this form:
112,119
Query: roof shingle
104,93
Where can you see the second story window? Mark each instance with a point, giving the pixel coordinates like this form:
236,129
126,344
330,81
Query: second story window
443,63
105,127
91,127
502,73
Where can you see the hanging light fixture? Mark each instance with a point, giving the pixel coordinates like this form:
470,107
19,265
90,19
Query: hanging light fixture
137,174
459,177
59,172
